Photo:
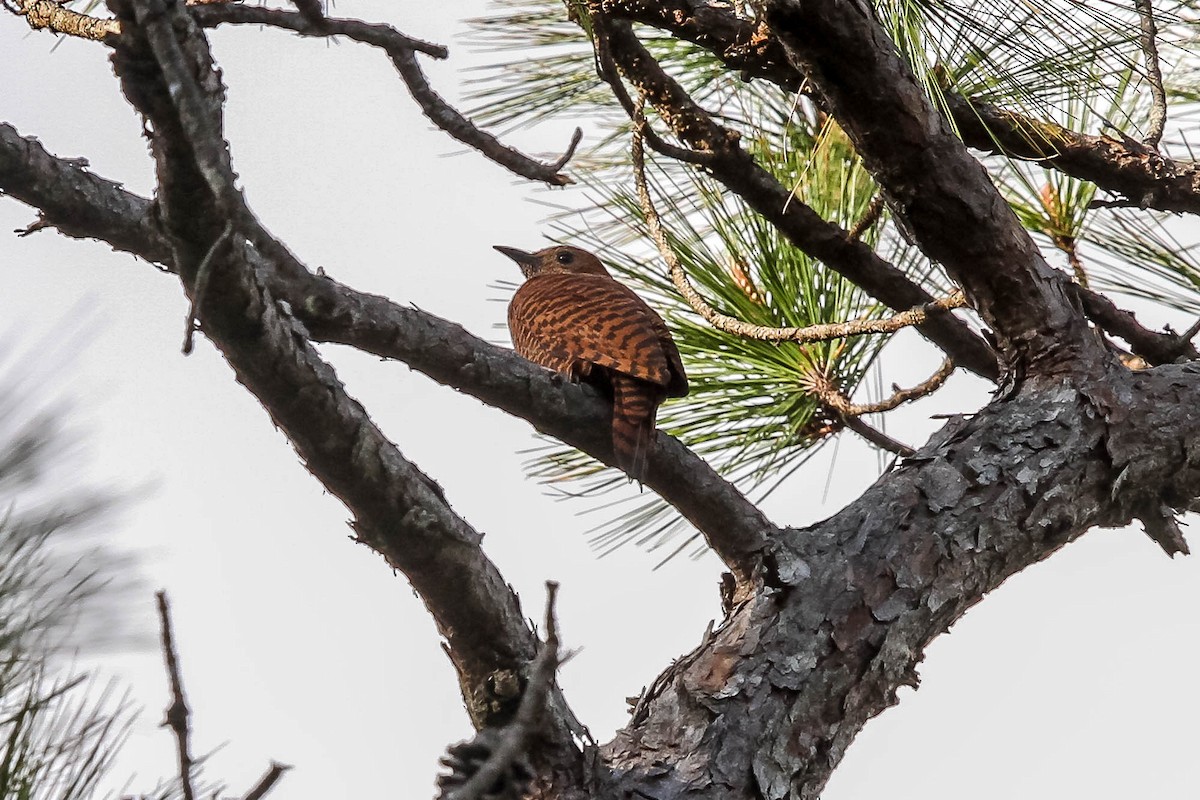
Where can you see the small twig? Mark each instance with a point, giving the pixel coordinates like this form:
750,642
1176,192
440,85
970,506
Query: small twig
576,138
177,712
448,118
39,224
515,736
1191,332
202,276
878,437
49,15
267,781
376,34
1155,347
607,70
850,414
1158,97
1071,248
874,210
901,396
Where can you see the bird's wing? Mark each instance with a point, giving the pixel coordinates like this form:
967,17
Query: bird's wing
558,319
677,386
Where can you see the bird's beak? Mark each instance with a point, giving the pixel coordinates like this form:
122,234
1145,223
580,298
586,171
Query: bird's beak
527,261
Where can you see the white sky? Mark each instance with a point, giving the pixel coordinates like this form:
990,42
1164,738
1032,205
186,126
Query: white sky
1074,680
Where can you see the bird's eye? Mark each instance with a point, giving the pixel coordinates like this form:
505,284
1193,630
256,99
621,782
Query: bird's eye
564,257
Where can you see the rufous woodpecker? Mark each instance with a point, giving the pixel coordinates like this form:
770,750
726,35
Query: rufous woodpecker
572,316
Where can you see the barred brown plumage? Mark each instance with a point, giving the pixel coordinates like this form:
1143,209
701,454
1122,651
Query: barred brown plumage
572,316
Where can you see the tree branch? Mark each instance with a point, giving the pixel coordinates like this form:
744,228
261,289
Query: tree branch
877,437
267,781
775,696
727,324
401,50
398,511
738,171
899,396
751,47
83,205
77,202
376,34
957,215
1156,348
515,737
1158,97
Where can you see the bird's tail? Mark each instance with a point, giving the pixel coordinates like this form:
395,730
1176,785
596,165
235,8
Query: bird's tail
635,406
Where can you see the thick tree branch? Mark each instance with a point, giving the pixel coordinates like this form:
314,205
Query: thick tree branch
769,703
77,202
956,214
1147,179
729,163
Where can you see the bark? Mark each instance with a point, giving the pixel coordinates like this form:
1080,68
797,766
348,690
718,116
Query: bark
829,621
955,212
767,706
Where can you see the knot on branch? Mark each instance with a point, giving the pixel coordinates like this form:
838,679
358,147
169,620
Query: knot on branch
466,758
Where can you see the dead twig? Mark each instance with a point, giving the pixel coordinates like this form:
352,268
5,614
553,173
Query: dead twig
900,396
515,736
203,272
850,414
402,51
878,437
177,713
49,15
1158,96
868,220
267,781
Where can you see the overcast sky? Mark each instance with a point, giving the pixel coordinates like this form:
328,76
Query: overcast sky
1076,679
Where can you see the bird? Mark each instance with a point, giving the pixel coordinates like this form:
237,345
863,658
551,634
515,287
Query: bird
572,316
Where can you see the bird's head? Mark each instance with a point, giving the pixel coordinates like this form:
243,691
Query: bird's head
557,259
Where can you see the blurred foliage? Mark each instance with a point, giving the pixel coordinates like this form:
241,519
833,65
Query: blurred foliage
59,731
749,412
